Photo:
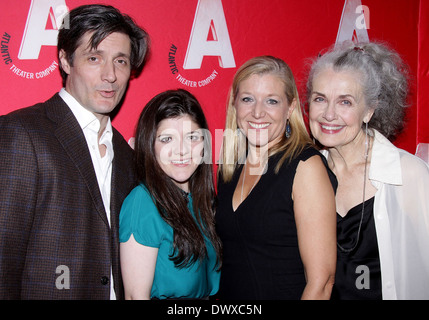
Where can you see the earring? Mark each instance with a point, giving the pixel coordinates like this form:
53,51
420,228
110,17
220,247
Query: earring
366,140
288,130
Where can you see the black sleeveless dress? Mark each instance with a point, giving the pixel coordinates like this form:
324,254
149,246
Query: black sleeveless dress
358,275
261,258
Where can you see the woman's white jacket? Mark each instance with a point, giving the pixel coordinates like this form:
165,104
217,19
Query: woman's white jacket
401,215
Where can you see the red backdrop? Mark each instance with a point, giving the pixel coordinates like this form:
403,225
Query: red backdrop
221,34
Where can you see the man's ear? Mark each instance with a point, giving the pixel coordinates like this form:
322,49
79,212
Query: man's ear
64,63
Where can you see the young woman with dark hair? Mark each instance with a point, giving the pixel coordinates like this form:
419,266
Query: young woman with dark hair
169,248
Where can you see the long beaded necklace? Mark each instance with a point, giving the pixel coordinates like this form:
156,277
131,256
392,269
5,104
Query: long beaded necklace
363,195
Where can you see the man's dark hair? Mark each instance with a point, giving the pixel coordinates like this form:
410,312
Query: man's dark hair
101,21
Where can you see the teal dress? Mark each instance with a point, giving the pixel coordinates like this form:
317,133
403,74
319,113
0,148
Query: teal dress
140,217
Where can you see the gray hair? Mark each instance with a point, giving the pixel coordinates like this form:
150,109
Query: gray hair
384,80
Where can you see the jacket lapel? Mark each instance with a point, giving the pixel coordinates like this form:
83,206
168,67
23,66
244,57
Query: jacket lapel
71,137
121,184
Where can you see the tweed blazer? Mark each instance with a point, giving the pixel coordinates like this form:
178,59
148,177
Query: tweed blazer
55,239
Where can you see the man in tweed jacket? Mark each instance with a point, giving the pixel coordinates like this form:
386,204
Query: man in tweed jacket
65,170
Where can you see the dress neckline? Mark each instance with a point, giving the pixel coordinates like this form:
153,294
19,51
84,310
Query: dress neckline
356,209
237,179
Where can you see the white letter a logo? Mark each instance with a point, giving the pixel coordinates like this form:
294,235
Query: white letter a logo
35,34
209,17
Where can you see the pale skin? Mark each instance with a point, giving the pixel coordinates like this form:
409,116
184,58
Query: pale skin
337,111
261,102
178,149
138,269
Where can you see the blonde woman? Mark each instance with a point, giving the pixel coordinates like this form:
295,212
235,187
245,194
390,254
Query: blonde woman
276,203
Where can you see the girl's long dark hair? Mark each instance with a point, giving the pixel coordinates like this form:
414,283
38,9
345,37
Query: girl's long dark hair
189,244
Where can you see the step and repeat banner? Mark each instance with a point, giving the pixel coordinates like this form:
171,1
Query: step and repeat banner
199,44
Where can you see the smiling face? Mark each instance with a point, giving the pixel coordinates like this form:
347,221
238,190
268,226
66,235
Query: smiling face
337,109
262,109
99,77
179,147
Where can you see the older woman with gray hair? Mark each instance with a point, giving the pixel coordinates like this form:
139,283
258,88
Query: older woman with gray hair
357,95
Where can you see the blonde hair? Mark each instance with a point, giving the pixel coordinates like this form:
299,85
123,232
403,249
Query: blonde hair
234,144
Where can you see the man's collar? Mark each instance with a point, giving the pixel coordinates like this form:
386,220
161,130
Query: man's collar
84,117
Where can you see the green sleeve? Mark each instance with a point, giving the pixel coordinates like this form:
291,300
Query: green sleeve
140,217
